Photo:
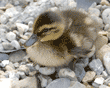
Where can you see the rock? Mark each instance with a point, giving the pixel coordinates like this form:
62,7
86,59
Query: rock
21,74
3,19
4,56
43,81
105,2
31,67
22,41
37,67
47,70
17,56
106,60
94,11
29,19
8,5
76,84
16,65
89,76
67,73
59,83
105,75
8,68
107,27
13,75
1,47
96,65
30,24
5,83
11,36
107,81
29,82
22,28
106,16
7,46
24,69
103,86
5,62
99,80
79,71
15,44
99,7
102,51
95,85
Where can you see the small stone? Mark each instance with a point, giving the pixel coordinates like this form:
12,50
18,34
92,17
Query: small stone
5,62
3,19
106,60
43,81
76,84
31,67
104,73
30,24
8,68
95,85
96,65
22,41
107,80
94,11
11,36
79,71
21,74
16,65
105,2
15,44
3,57
24,68
89,76
107,27
17,56
8,5
37,67
24,37
32,73
99,80
67,73
47,70
22,28
59,83
13,75
1,47
29,19
103,86
7,46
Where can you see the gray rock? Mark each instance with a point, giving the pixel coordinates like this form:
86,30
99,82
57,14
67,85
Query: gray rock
106,16
8,68
96,65
3,19
16,65
106,60
27,20
15,44
76,84
47,70
107,81
21,74
4,56
67,73
1,47
94,11
17,56
59,83
11,36
7,46
2,33
30,24
79,71
103,86
31,67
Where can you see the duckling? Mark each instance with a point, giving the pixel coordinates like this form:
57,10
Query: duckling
60,36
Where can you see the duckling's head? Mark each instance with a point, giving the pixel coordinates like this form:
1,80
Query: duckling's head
48,26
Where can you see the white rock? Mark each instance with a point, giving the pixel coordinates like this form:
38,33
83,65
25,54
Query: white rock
15,44
104,73
11,36
21,74
47,70
106,16
3,19
7,46
1,47
30,24
22,28
5,62
37,67
5,83
99,80
72,4
94,11
22,41
13,75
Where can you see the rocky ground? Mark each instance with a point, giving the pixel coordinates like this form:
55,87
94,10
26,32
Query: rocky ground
16,69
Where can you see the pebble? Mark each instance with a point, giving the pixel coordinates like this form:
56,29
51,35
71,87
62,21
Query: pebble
7,46
3,19
13,75
105,2
8,68
106,16
15,44
1,47
4,63
30,24
96,65
76,84
24,69
22,41
99,80
79,71
89,76
47,70
104,73
11,36
4,56
59,83
106,60
67,73
21,74
37,67
103,86
94,11
17,56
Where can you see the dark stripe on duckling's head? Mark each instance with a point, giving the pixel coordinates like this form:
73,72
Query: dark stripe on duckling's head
46,18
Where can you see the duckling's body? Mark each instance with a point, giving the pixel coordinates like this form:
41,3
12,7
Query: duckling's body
58,35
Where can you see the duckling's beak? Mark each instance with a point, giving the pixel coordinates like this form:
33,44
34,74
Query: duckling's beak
31,40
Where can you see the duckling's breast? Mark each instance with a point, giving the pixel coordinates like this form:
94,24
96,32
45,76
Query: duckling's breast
47,55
